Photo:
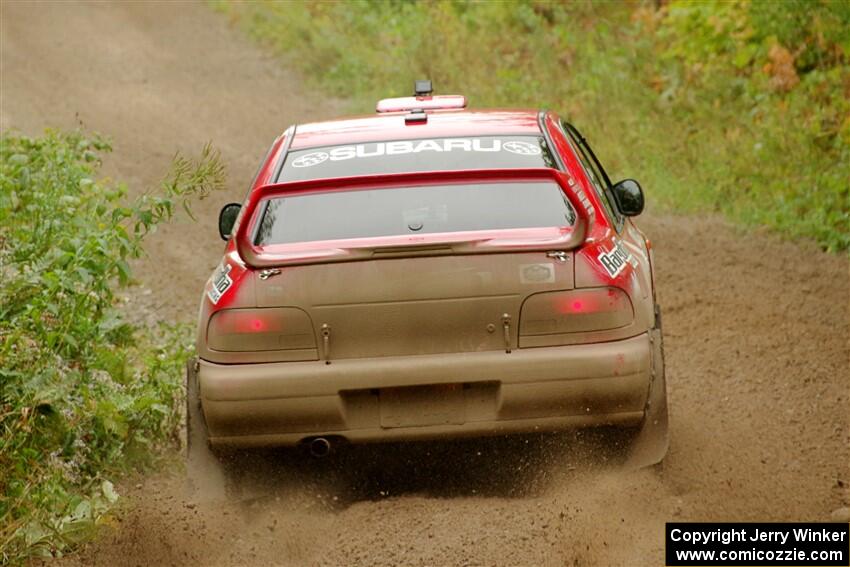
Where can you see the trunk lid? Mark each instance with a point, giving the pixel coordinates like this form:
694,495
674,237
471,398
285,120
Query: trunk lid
434,303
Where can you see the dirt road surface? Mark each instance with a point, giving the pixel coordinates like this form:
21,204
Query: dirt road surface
757,341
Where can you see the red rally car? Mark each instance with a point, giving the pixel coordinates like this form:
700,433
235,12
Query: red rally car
428,272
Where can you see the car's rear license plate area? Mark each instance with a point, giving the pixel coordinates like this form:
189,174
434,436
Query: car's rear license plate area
413,406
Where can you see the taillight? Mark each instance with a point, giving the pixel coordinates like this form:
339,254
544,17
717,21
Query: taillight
562,314
246,330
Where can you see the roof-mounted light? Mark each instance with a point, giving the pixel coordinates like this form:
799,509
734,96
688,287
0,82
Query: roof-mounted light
422,99
438,102
422,88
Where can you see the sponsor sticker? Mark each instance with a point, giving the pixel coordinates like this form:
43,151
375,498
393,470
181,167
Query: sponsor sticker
582,197
221,282
615,260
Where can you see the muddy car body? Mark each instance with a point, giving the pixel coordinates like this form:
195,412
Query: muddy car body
429,272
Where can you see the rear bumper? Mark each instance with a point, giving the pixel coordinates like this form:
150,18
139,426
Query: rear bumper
430,396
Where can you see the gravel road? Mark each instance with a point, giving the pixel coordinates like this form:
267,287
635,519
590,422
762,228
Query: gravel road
756,334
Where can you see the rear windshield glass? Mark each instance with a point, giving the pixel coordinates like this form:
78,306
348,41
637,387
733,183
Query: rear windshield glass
402,156
413,210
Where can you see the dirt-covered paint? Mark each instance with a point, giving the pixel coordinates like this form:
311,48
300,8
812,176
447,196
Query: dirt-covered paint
756,346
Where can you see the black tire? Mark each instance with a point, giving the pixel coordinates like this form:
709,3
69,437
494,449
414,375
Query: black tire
652,440
206,475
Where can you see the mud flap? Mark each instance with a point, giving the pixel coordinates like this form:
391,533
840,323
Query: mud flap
650,444
206,478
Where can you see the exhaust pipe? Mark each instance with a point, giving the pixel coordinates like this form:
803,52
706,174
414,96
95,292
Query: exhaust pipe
320,447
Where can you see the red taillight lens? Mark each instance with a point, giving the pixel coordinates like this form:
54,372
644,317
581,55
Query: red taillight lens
578,311
279,328
250,322
590,302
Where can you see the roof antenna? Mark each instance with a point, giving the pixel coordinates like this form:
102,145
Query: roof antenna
422,88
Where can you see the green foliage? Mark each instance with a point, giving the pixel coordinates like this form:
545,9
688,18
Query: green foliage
84,395
741,108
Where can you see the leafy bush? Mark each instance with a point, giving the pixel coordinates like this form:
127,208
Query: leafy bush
741,108
84,395
769,83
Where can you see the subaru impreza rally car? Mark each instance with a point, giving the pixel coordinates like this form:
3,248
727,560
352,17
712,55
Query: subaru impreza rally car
428,272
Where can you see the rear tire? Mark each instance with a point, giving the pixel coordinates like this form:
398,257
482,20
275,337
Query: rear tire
206,475
652,440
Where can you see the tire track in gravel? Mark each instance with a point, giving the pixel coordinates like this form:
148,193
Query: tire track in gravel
756,334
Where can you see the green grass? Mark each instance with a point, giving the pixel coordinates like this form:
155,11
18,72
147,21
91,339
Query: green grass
85,396
695,100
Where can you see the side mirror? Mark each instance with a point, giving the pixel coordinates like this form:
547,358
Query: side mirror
227,218
629,197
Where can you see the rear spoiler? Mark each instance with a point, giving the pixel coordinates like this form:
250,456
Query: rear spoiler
555,238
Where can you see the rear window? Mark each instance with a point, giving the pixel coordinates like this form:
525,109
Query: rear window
430,154
413,210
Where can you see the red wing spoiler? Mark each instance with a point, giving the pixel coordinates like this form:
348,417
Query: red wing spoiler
554,238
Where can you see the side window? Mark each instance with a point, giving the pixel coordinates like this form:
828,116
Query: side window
594,170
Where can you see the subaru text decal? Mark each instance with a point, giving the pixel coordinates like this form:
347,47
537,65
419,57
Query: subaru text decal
377,149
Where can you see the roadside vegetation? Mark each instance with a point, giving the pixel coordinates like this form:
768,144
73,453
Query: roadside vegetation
740,108
85,395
